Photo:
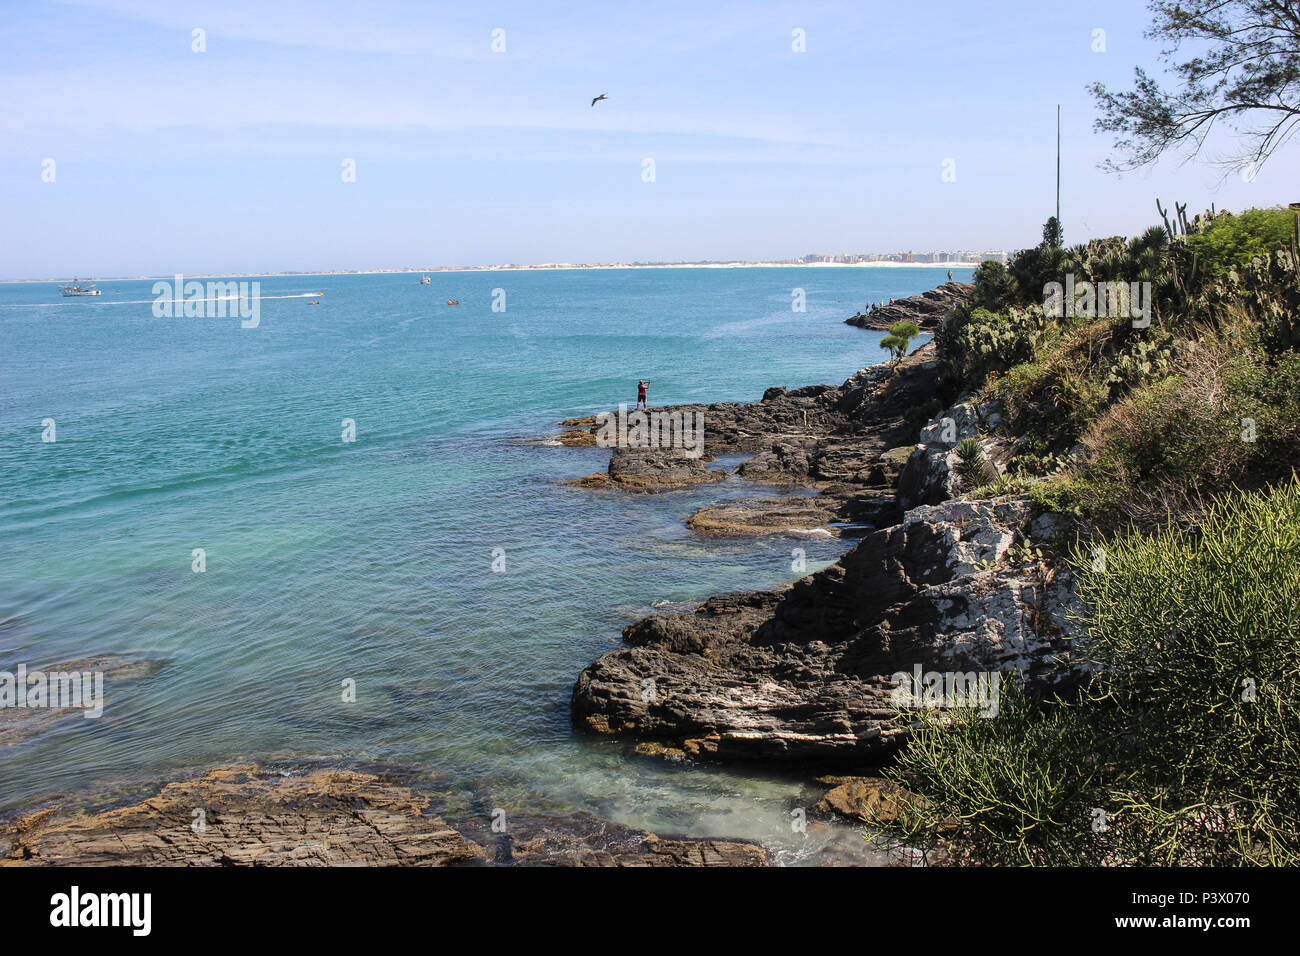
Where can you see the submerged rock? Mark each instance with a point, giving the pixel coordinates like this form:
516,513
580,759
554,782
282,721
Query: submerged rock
111,674
580,839
861,798
258,816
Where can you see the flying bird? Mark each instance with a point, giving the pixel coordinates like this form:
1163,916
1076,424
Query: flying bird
599,98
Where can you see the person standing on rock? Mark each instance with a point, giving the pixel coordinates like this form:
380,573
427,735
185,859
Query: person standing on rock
641,400
949,275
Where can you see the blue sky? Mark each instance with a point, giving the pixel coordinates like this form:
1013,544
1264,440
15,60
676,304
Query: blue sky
230,160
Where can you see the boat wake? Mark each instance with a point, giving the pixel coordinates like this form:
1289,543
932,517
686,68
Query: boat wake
220,298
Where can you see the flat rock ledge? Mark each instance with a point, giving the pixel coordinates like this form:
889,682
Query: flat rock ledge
252,815
845,443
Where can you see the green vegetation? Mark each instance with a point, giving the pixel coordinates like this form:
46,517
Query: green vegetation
899,339
1234,240
1182,747
1173,735
1159,417
973,467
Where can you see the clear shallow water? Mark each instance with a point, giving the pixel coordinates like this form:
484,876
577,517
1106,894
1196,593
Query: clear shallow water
372,560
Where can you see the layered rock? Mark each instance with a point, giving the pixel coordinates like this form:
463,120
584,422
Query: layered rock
862,798
930,473
845,442
813,671
252,816
320,816
807,672
926,310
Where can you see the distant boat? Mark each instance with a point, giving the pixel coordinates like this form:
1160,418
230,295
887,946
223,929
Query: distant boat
314,302
453,301
77,288
425,280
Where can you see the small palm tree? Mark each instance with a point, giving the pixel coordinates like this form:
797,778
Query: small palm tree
899,339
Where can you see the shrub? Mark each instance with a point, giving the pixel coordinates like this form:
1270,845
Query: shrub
896,345
995,289
1232,241
1221,420
973,467
983,342
1184,741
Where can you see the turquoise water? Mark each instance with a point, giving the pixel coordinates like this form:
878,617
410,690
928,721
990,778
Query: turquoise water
372,560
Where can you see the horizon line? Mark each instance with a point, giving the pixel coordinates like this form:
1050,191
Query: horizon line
511,267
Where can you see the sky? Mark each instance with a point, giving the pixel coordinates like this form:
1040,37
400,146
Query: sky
233,159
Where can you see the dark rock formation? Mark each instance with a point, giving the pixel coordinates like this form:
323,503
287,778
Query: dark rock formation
926,310
814,671
843,441
632,469
806,672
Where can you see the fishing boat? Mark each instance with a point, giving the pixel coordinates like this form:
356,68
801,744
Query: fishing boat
453,301
77,287
425,280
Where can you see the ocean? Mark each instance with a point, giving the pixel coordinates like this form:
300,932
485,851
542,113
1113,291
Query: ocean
329,564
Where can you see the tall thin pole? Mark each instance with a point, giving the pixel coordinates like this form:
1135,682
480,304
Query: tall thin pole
1058,165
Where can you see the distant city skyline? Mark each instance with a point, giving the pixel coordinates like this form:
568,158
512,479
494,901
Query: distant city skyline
149,137
954,258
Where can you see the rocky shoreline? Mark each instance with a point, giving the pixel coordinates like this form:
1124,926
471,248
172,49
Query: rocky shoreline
926,310
317,815
801,676
804,674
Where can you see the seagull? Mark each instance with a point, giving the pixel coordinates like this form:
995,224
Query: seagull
599,98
